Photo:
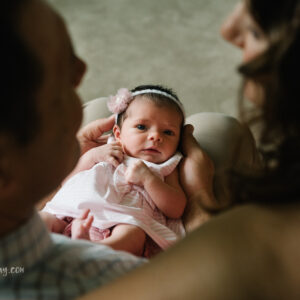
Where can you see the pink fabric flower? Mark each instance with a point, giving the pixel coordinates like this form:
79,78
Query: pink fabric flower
119,103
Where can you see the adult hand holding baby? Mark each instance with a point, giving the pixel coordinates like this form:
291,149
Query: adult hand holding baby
196,170
196,177
111,153
94,148
92,135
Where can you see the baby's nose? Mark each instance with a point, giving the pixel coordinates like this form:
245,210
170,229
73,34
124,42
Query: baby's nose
155,136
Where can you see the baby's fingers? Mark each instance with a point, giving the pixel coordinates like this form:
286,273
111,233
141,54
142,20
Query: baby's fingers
88,223
84,214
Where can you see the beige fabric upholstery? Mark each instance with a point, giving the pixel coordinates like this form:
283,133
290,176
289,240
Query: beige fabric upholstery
94,110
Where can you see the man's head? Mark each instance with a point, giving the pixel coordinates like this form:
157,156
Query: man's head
21,75
41,111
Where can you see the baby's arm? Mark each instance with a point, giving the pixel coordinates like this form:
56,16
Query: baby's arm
53,223
111,153
168,196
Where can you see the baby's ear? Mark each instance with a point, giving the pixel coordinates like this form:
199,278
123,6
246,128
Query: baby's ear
117,132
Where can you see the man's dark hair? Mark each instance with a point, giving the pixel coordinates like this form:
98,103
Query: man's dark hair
20,77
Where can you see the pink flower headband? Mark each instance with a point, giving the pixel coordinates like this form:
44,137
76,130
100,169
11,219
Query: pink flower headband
119,103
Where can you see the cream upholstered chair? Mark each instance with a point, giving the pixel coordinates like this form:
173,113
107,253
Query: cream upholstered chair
225,140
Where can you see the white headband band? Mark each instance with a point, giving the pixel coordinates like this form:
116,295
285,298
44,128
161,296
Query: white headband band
119,103
153,91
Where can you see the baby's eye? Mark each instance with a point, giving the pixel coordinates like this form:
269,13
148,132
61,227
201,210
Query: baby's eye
141,127
168,132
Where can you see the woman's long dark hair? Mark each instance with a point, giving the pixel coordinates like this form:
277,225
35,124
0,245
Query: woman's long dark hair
277,72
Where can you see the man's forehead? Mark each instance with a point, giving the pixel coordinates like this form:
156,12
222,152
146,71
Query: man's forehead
42,27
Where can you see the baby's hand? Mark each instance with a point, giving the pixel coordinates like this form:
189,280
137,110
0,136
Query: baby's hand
137,173
81,226
111,153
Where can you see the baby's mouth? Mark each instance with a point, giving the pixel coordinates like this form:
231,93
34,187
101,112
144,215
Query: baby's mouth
151,150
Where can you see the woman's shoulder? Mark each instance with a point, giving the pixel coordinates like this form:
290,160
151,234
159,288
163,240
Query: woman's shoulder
264,243
264,221
286,214
251,249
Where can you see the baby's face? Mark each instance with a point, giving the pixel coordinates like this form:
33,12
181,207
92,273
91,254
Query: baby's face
150,132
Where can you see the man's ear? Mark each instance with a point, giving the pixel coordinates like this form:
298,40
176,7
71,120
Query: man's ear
7,184
117,132
8,172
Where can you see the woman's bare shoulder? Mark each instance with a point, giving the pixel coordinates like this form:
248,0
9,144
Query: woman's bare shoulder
270,225
266,249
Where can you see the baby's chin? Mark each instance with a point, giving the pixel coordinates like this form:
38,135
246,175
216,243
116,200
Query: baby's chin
156,159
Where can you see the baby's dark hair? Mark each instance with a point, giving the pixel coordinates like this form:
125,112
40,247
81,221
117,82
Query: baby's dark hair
158,99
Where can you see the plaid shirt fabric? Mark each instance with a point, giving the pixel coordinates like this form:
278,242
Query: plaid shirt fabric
37,265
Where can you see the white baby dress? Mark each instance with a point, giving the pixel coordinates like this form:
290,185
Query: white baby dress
112,201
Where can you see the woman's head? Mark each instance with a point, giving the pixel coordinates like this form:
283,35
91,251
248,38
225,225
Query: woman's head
268,32
150,126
